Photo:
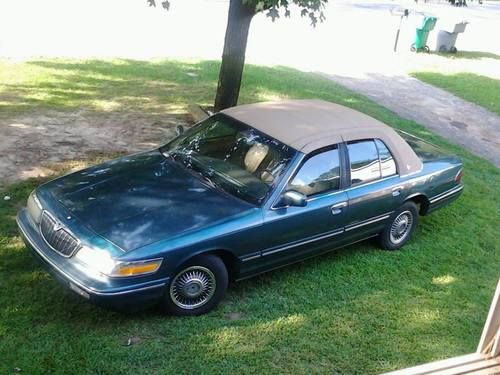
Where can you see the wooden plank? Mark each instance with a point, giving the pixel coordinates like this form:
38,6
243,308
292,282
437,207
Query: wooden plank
469,368
466,364
430,368
492,324
495,351
495,370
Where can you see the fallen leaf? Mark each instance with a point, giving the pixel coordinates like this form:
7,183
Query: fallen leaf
133,340
233,316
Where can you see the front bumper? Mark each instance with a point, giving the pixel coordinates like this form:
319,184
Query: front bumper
122,293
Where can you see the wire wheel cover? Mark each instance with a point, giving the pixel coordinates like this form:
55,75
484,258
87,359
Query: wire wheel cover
401,227
192,287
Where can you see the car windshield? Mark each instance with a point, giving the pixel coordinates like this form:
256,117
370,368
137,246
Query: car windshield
232,156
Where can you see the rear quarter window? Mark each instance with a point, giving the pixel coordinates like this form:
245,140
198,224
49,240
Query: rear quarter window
387,163
424,150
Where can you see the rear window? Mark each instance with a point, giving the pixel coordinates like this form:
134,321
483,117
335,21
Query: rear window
424,150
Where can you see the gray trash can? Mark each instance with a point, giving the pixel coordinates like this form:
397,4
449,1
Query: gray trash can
446,39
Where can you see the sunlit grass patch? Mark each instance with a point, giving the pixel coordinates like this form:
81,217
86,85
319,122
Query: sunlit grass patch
443,280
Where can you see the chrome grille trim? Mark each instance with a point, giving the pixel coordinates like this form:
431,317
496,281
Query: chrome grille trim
59,238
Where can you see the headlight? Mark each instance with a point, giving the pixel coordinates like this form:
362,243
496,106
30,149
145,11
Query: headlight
102,262
34,207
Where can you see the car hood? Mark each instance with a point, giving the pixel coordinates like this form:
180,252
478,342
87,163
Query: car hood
141,199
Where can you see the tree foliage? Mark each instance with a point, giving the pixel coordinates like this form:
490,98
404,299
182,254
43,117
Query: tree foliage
274,9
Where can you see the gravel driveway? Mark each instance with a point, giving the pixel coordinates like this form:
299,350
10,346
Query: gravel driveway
455,119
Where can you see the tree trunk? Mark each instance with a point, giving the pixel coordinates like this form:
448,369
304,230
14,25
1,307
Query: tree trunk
233,57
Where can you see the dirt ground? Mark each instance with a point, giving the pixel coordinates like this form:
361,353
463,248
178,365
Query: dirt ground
31,145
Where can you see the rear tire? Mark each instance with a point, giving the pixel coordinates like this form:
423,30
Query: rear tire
400,227
197,287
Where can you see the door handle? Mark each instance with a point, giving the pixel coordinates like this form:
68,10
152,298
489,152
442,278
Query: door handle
397,191
337,208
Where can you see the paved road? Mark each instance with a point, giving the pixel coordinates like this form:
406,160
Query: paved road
459,121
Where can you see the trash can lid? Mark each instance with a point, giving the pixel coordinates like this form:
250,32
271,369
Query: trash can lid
429,22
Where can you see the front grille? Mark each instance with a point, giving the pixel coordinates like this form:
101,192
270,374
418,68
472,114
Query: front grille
58,237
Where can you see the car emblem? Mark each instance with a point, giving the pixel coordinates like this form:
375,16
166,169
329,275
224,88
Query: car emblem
57,226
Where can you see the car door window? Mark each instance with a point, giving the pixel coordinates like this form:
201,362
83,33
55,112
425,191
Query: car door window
387,163
365,164
320,173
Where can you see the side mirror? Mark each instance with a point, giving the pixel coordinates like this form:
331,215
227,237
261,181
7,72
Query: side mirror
179,129
293,198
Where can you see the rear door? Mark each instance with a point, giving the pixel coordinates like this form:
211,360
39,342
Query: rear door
374,192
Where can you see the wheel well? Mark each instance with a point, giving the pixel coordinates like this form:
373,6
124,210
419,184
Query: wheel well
231,262
422,202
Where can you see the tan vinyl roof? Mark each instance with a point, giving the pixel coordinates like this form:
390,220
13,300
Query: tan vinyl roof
308,125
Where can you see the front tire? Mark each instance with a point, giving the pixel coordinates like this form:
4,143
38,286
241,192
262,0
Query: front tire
197,287
400,227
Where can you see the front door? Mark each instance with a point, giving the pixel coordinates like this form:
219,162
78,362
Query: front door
293,233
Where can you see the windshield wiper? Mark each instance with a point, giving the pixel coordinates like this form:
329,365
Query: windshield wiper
193,163
207,175
209,181
173,154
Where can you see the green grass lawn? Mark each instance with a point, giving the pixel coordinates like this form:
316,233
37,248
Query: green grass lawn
359,310
484,91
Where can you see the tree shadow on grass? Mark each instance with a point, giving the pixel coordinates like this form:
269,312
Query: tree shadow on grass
134,85
150,85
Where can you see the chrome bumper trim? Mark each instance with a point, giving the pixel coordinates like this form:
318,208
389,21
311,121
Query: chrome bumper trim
446,194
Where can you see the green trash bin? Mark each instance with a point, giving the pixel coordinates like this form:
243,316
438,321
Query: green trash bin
422,34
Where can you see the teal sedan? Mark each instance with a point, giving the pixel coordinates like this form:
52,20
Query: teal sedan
249,189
